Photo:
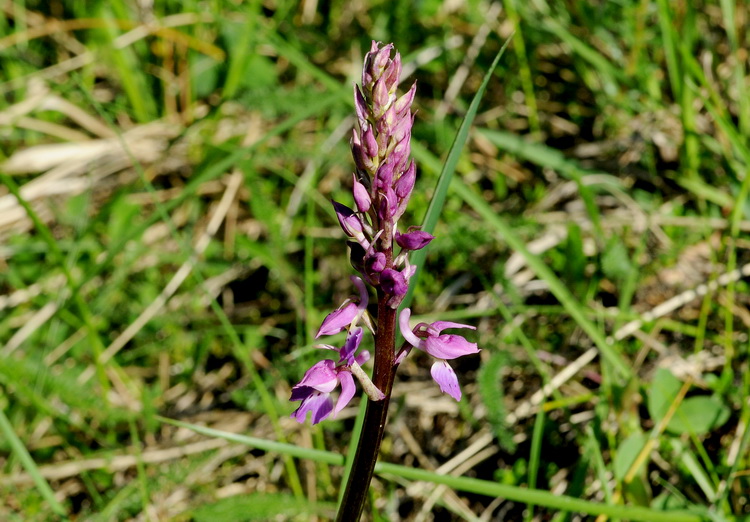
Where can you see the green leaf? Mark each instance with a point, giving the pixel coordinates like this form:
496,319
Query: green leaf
662,393
204,73
627,453
698,415
615,262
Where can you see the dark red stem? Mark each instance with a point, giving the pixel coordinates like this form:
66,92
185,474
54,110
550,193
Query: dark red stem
373,427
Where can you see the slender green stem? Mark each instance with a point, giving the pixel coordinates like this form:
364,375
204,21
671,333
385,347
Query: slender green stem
371,435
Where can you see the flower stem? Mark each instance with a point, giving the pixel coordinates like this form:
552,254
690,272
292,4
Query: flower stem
373,426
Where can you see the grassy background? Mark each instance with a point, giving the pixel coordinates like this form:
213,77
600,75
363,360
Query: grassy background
167,250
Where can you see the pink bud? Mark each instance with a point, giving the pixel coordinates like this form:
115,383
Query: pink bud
360,104
361,195
405,184
384,176
380,97
414,240
382,57
370,143
393,282
405,101
375,262
392,74
402,128
358,152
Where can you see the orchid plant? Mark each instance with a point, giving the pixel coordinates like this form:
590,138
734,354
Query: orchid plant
382,184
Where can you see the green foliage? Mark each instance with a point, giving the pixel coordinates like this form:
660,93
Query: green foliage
616,128
697,415
258,506
490,383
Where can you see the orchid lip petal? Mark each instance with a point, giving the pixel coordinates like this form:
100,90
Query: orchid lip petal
449,346
347,391
446,378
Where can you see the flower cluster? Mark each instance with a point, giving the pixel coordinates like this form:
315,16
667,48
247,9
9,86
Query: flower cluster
383,182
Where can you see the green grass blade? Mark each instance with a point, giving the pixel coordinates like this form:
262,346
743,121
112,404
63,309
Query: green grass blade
574,308
29,465
477,486
536,456
438,199
666,24
84,311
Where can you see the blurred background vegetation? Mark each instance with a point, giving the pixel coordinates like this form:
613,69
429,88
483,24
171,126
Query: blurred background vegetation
167,248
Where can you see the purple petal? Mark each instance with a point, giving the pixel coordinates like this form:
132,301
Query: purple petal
414,240
350,346
321,376
438,326
362,288
347,390
449,346
400,155
393,282
338,320
320,404
300,393
348,220
390,195
446,379
406,331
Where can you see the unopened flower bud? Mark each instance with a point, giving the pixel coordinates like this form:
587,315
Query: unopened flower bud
360,104
393,282
375,263
414,240
403,104
361,195
405,184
